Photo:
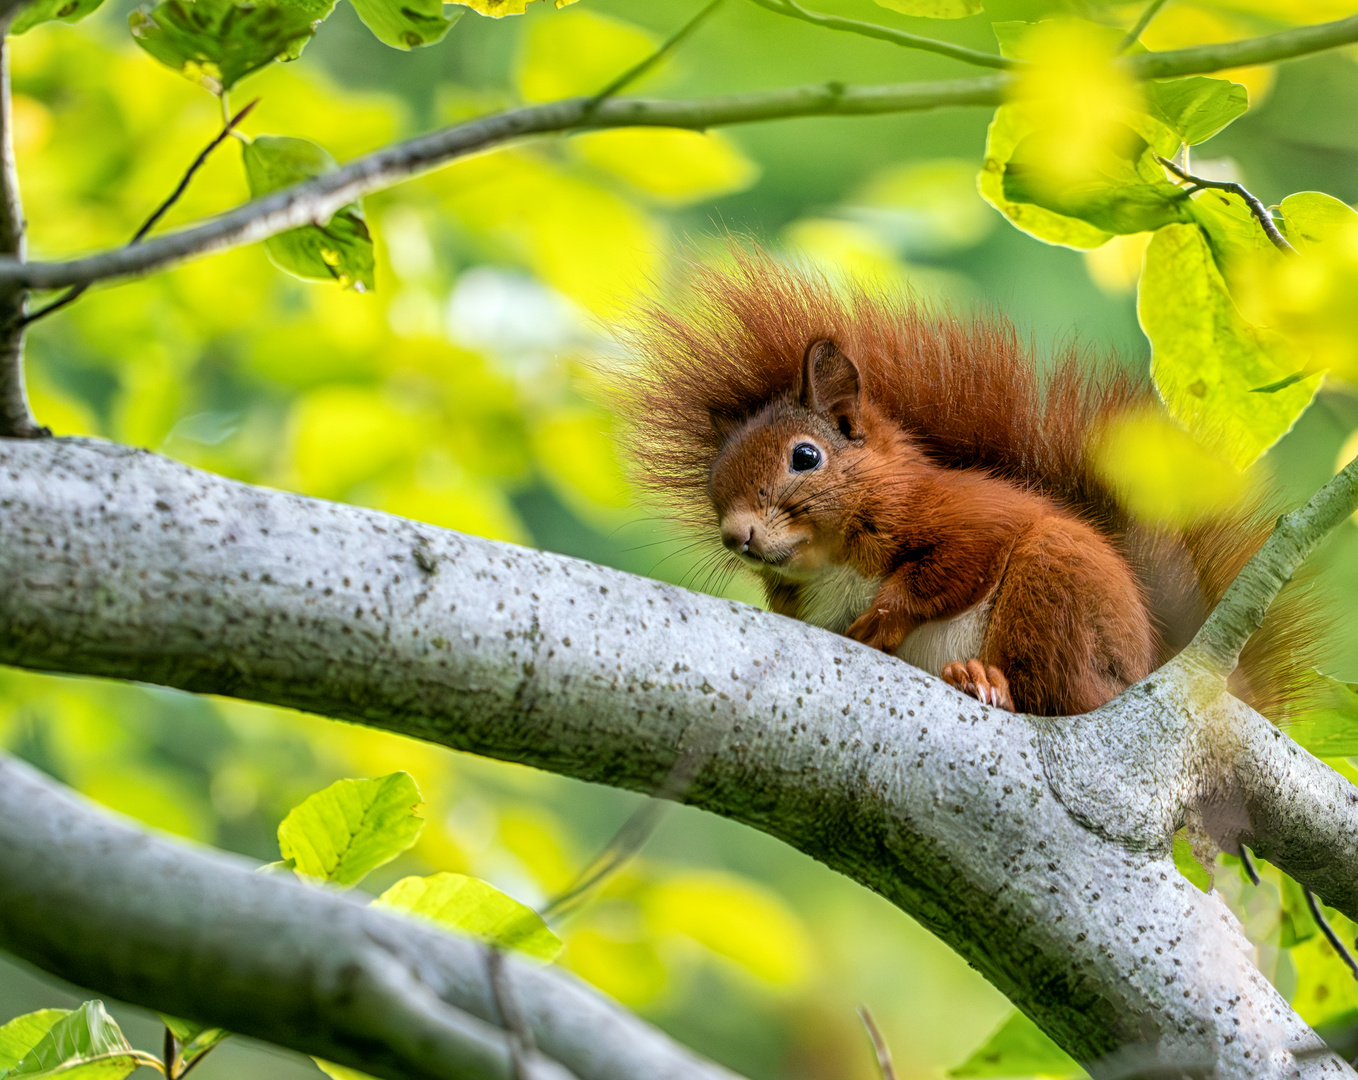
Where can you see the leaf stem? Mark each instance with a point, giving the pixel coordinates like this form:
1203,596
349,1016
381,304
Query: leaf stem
879,1046
1256,207
1134,34
886,33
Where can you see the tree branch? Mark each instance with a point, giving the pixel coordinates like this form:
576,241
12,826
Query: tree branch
16,417
316,200
1252,202
1218,643
890,34
1038,848
198,934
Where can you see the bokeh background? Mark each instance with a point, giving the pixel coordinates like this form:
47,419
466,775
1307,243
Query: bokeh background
459,392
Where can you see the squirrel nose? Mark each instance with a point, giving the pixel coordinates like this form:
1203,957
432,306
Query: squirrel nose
738,536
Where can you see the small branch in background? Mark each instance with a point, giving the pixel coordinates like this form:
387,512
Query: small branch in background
1328,931
517,1032
16,416
878,1043
1248,863
75,292
1134,34
168,1051
631,75
886,33
1257,208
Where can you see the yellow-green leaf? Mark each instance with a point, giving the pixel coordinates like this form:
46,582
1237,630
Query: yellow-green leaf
1330,729
1019,1048
339,1072
935,9
475,908
578,53
44,10
669,164
406,24
1206,360
21,1034
352,827
339,250
1197,108
86,1044
1312,217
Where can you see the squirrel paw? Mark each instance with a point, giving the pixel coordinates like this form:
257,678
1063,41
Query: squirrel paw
879,628
982,681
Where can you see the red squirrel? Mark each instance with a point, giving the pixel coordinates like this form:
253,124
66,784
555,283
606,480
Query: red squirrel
912,481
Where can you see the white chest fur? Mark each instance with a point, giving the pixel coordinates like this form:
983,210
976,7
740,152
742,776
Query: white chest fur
837,595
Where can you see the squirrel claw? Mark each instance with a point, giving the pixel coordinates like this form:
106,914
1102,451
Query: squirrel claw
878,628
985,682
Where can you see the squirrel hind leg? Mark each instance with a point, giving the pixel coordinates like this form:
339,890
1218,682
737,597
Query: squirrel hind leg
985,682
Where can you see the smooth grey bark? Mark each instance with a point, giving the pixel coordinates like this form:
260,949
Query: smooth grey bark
199,934
1038,848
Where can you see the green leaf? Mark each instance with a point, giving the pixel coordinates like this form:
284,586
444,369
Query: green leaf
1312,217
352,827
340,250
407,24
83,1045
475,908
21,1034
1196,108
1019,1048
1330,729
935,9
1007,130
218,42
1187,863
1206,360
45,10
339,1072
1298,924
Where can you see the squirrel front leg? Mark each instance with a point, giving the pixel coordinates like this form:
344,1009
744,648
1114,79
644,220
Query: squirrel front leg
889,619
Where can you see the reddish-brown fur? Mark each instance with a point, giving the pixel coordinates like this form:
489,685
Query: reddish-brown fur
954,472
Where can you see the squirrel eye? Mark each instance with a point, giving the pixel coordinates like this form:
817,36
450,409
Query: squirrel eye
805,457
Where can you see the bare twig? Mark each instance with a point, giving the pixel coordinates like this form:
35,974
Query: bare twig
890,34
1256,207
878,1043
1134,34
16,416
169,1049
75,292
632,74
1248,863
1328,931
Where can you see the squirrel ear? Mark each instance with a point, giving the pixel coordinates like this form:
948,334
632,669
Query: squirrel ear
830,386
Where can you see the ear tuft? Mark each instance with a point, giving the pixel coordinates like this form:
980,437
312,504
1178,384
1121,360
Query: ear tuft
831,387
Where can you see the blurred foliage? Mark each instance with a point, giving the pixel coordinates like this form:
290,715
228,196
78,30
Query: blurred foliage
456,388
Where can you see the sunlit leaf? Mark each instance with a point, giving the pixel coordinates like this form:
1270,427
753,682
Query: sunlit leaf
579,53
1116,266
407,24
1196,108
86,1044
1187,863
340,1072
340,250
219,42
1178,26
1298,924
1326,988
352,827
21,1034
671,165
1206,359
1019,1048
475,908
736,919
498,9
935,9
1330,729
1161,472
1312,217
45,10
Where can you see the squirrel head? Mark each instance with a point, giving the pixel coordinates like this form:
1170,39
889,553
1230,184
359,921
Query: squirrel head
788,479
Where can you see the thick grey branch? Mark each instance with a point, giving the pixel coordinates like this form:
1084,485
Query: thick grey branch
1242,609
317,200
1039,849
198,934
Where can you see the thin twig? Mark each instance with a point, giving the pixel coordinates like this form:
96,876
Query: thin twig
1257,208
517,1031
1134,34
878,1043
1248,863
76,291
886,33
168,1052
1328,931
632,74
